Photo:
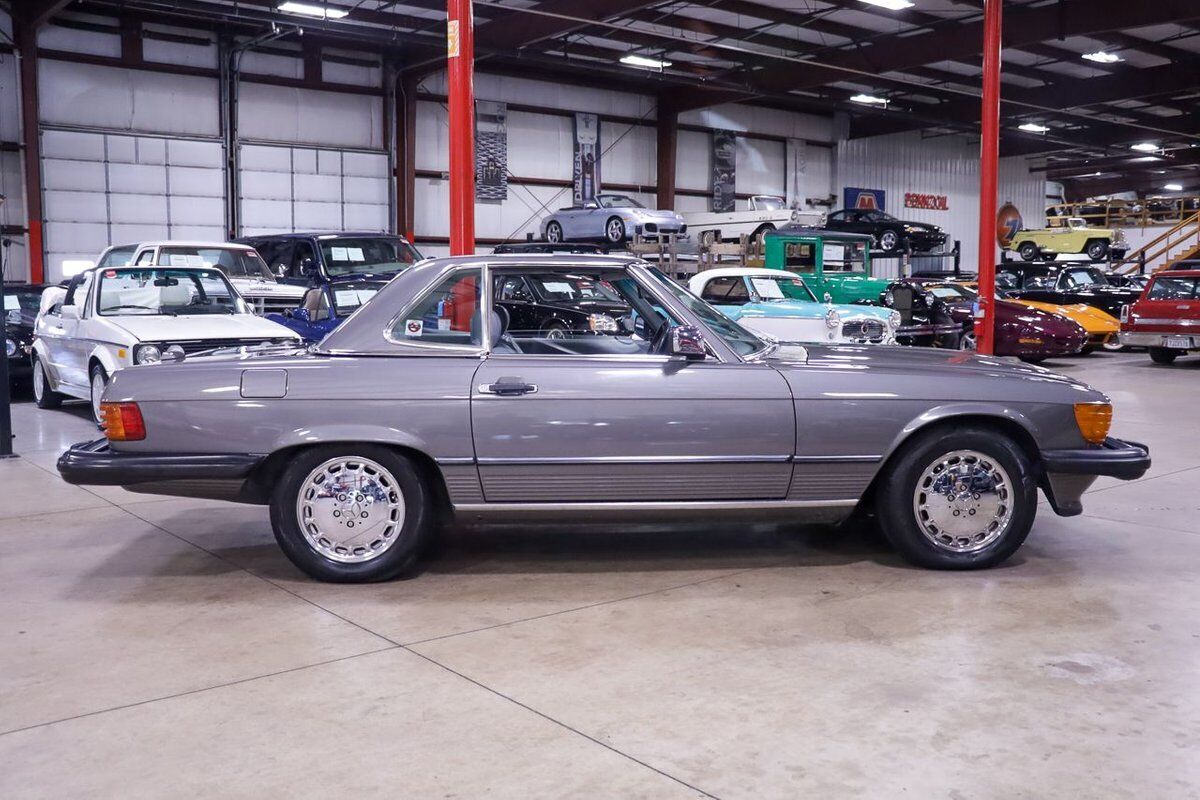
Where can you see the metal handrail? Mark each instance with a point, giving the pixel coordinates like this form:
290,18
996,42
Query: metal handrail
1121,212
1143,255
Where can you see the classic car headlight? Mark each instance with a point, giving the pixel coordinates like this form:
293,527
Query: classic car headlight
10,348
174,353
147,354
602,323
894,320
911,229
832,318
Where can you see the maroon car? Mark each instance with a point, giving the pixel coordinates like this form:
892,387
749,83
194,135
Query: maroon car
1027,333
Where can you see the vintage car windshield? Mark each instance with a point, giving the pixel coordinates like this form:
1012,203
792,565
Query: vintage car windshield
1086,276
374,254
347,297
784,287
949,291
1174,289
234,262
769,203
152,291
572,288
740,340
617,201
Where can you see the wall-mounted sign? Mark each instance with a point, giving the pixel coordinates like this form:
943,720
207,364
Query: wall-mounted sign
926,202
1008,223
865,198
586,178
724,160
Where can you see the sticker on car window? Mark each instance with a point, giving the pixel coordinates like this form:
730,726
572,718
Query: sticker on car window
337,253
835,252
414,327
354,254
11,303
177,260
767,288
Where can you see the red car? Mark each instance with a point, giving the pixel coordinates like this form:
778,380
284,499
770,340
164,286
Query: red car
1166,318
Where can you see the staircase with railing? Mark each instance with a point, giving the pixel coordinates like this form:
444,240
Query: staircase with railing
1164,251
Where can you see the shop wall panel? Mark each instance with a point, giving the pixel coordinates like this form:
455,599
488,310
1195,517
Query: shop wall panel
10,119
308,116
193,55
693,161
140,209
75,206
365,190
138,178
628,154
761,166
540,145
77,175
196,181
364,217
73,40
266,216
258,62
336,72
72,145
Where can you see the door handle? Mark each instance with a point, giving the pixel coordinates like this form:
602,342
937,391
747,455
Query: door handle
508,387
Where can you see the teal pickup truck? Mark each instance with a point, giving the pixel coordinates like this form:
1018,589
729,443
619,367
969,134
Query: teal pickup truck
832,262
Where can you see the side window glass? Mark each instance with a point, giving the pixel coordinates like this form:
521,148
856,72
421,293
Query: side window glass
304,259
116,257
145,258
322,308
513,289
800,257
725,291
449,315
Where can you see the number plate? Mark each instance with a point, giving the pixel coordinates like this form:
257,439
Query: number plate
1178,342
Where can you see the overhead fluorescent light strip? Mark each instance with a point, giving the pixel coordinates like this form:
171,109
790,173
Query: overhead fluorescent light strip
312,10
1145,147
1173,187
1101,57
633,60
1033,127
890,5
870,100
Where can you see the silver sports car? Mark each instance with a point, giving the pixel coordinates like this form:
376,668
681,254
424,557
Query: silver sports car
612,218
429,401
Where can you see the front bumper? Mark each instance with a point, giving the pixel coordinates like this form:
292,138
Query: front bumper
1067,474
220,476
1140,339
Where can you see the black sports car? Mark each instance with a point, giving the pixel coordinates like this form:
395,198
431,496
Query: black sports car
891,234
20,311
1064,283
557,306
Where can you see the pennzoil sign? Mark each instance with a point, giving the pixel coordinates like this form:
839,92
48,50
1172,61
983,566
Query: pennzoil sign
926,202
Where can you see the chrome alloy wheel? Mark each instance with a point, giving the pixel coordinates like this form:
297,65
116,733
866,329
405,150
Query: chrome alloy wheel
99,383
963,501
350,509
967,342
615,231
39,380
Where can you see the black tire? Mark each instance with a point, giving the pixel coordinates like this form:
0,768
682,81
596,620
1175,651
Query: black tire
555,330
898,496
400,558
96,371
1032,359
889,241
1096,249
761,231
554,233
614,231
1163,355
47,398
1028,251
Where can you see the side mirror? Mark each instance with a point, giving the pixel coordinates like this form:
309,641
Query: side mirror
69,312
302,315
281,270
687,342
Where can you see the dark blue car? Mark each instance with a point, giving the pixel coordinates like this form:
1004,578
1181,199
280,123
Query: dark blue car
324,307
307,259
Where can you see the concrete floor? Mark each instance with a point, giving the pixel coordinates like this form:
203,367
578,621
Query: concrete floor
164,648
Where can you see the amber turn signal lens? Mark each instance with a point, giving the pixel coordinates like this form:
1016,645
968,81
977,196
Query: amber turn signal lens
122,422
1094,420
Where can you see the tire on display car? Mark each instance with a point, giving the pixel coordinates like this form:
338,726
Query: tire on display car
967,341
98,380
352,513
888,241
614,230
43,395
555,330
554,233
1028,251
1163,355
1096,250
761,231
961,497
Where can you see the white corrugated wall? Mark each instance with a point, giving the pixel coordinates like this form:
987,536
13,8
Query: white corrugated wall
945,165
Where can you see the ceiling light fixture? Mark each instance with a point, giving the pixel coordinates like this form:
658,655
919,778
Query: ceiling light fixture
1147,158
1173,187
632,60
1101,57
890,5
1033,127
870,100
1145,147
312,10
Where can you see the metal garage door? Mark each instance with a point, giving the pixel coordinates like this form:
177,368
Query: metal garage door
303,188
103,188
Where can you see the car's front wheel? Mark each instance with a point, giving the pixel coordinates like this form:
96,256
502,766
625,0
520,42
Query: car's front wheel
1097,250
554,233
958,498
43,395
614,231
1028,251
99,384
352,513
889,241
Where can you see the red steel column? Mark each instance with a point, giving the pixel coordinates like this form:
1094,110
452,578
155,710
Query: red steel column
31,136
460,41
989,155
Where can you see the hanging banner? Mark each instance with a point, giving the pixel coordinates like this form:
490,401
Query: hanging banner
865,198
491,151
724,160
797,165
587,157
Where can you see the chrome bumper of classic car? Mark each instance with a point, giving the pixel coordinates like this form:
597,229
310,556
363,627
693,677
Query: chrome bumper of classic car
929,330
1139,339
1067,474
218,476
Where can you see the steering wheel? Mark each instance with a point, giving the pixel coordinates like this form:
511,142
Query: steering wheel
658,342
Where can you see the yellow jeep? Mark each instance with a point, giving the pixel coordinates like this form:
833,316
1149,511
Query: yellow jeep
1074,237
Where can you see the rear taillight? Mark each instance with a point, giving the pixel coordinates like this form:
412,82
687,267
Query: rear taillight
122,422
1125,313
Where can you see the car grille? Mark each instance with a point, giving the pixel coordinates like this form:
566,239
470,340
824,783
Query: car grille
200,345
271,305
863,330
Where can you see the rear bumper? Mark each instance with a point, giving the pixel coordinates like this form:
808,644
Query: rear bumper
1067,474
220,476
1140,339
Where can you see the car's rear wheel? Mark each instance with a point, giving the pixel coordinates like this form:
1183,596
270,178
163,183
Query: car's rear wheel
1097,250
99,382
967,341
43,395
614,231
555,330
1113,344
1028,251
889,241
1163,355
958,498
1032,359
554,233
352,513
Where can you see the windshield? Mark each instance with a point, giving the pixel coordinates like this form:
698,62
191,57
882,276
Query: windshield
740,340
347,297
22,300
617,201
876,216
783,287
1087,276
149,291
567,288
769,203
951,292
1174,289
374,254
235,263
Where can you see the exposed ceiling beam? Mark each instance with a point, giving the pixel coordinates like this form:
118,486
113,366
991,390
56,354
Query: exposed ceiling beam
1132,163
1076,190
513,31
35,13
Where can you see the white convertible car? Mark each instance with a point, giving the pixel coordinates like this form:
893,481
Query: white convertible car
114,317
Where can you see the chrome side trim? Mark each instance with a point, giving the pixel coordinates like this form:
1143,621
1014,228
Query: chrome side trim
1183,322
676,505
639,460
461,460
837,459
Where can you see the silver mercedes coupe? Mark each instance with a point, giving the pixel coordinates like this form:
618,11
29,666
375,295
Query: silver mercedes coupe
429,401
